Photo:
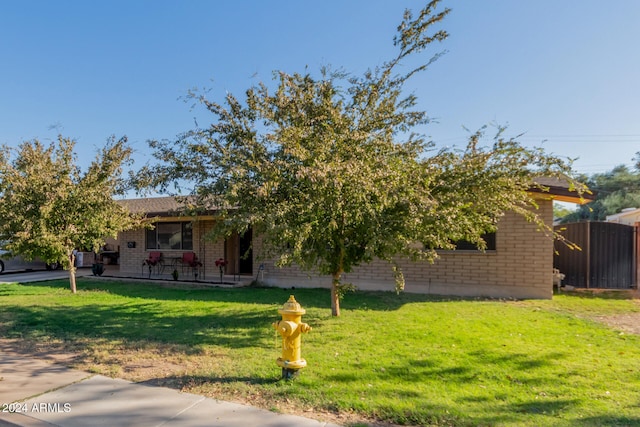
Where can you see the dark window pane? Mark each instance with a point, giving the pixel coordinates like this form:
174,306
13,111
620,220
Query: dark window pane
152,240
187,236
170,235
490,238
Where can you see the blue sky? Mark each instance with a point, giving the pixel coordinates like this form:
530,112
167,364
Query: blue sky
566,72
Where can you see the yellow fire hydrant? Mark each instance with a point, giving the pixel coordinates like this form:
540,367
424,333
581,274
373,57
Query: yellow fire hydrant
290,327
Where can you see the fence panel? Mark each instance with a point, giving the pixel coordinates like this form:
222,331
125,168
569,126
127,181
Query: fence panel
606,259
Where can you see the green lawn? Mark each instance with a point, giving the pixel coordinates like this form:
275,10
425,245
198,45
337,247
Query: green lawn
406,359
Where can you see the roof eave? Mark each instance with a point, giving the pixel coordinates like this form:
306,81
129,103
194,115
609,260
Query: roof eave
562,194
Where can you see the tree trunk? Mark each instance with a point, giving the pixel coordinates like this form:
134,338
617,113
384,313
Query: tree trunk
72,272
335,300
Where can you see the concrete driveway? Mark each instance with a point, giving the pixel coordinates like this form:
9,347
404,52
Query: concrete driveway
40,275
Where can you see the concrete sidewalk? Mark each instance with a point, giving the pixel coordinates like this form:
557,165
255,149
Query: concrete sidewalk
43,394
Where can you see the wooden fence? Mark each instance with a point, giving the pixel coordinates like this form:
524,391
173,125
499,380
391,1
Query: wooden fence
607,259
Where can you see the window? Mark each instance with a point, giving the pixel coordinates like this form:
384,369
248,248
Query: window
170,235
490,238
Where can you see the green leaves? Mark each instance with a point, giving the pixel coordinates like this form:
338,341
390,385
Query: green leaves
49,208
615,190
329,171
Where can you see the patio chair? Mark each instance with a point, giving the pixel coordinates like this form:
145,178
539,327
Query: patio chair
154,260
189,259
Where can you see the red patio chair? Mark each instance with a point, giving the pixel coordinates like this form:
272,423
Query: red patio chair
154,260
191,260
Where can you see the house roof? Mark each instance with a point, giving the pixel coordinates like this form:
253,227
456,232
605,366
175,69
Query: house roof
560,189
157,206
555,188
632,213
152,205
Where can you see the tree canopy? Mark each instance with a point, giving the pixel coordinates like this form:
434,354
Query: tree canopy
49,208
614,190
330,171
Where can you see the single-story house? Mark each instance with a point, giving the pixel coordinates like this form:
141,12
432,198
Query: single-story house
518,262
628,216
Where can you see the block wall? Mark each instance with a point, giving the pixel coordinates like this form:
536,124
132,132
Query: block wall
208,252
520,267
131,259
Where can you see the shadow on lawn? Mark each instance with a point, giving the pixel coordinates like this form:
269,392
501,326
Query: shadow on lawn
517,368
138,322
543,407
622,294
308,297
608,420
189,381
546,412
156,314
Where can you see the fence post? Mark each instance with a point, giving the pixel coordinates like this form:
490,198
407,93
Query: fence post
636,253
588,255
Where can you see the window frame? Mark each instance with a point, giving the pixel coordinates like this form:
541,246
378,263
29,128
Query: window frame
153,240
466,247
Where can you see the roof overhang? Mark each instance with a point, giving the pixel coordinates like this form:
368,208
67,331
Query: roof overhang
166,208
561,190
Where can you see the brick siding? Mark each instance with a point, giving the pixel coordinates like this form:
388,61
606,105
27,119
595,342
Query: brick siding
520,267
208,252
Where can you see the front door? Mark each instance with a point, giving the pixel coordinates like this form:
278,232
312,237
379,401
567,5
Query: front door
246,253
239,254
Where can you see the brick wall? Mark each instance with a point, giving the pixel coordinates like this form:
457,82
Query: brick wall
520,267
131,258
208,252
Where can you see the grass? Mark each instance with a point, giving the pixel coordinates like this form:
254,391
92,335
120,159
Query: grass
405,359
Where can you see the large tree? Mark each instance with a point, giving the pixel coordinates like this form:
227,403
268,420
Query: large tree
49,208
614,190
329,171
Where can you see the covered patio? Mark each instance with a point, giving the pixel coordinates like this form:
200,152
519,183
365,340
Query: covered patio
228,280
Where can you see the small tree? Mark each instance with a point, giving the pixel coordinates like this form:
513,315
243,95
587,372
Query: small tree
49,208
328,172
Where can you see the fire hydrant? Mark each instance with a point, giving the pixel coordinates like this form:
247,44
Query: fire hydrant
290,327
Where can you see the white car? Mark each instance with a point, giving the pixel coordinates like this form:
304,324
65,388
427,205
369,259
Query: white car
17,263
